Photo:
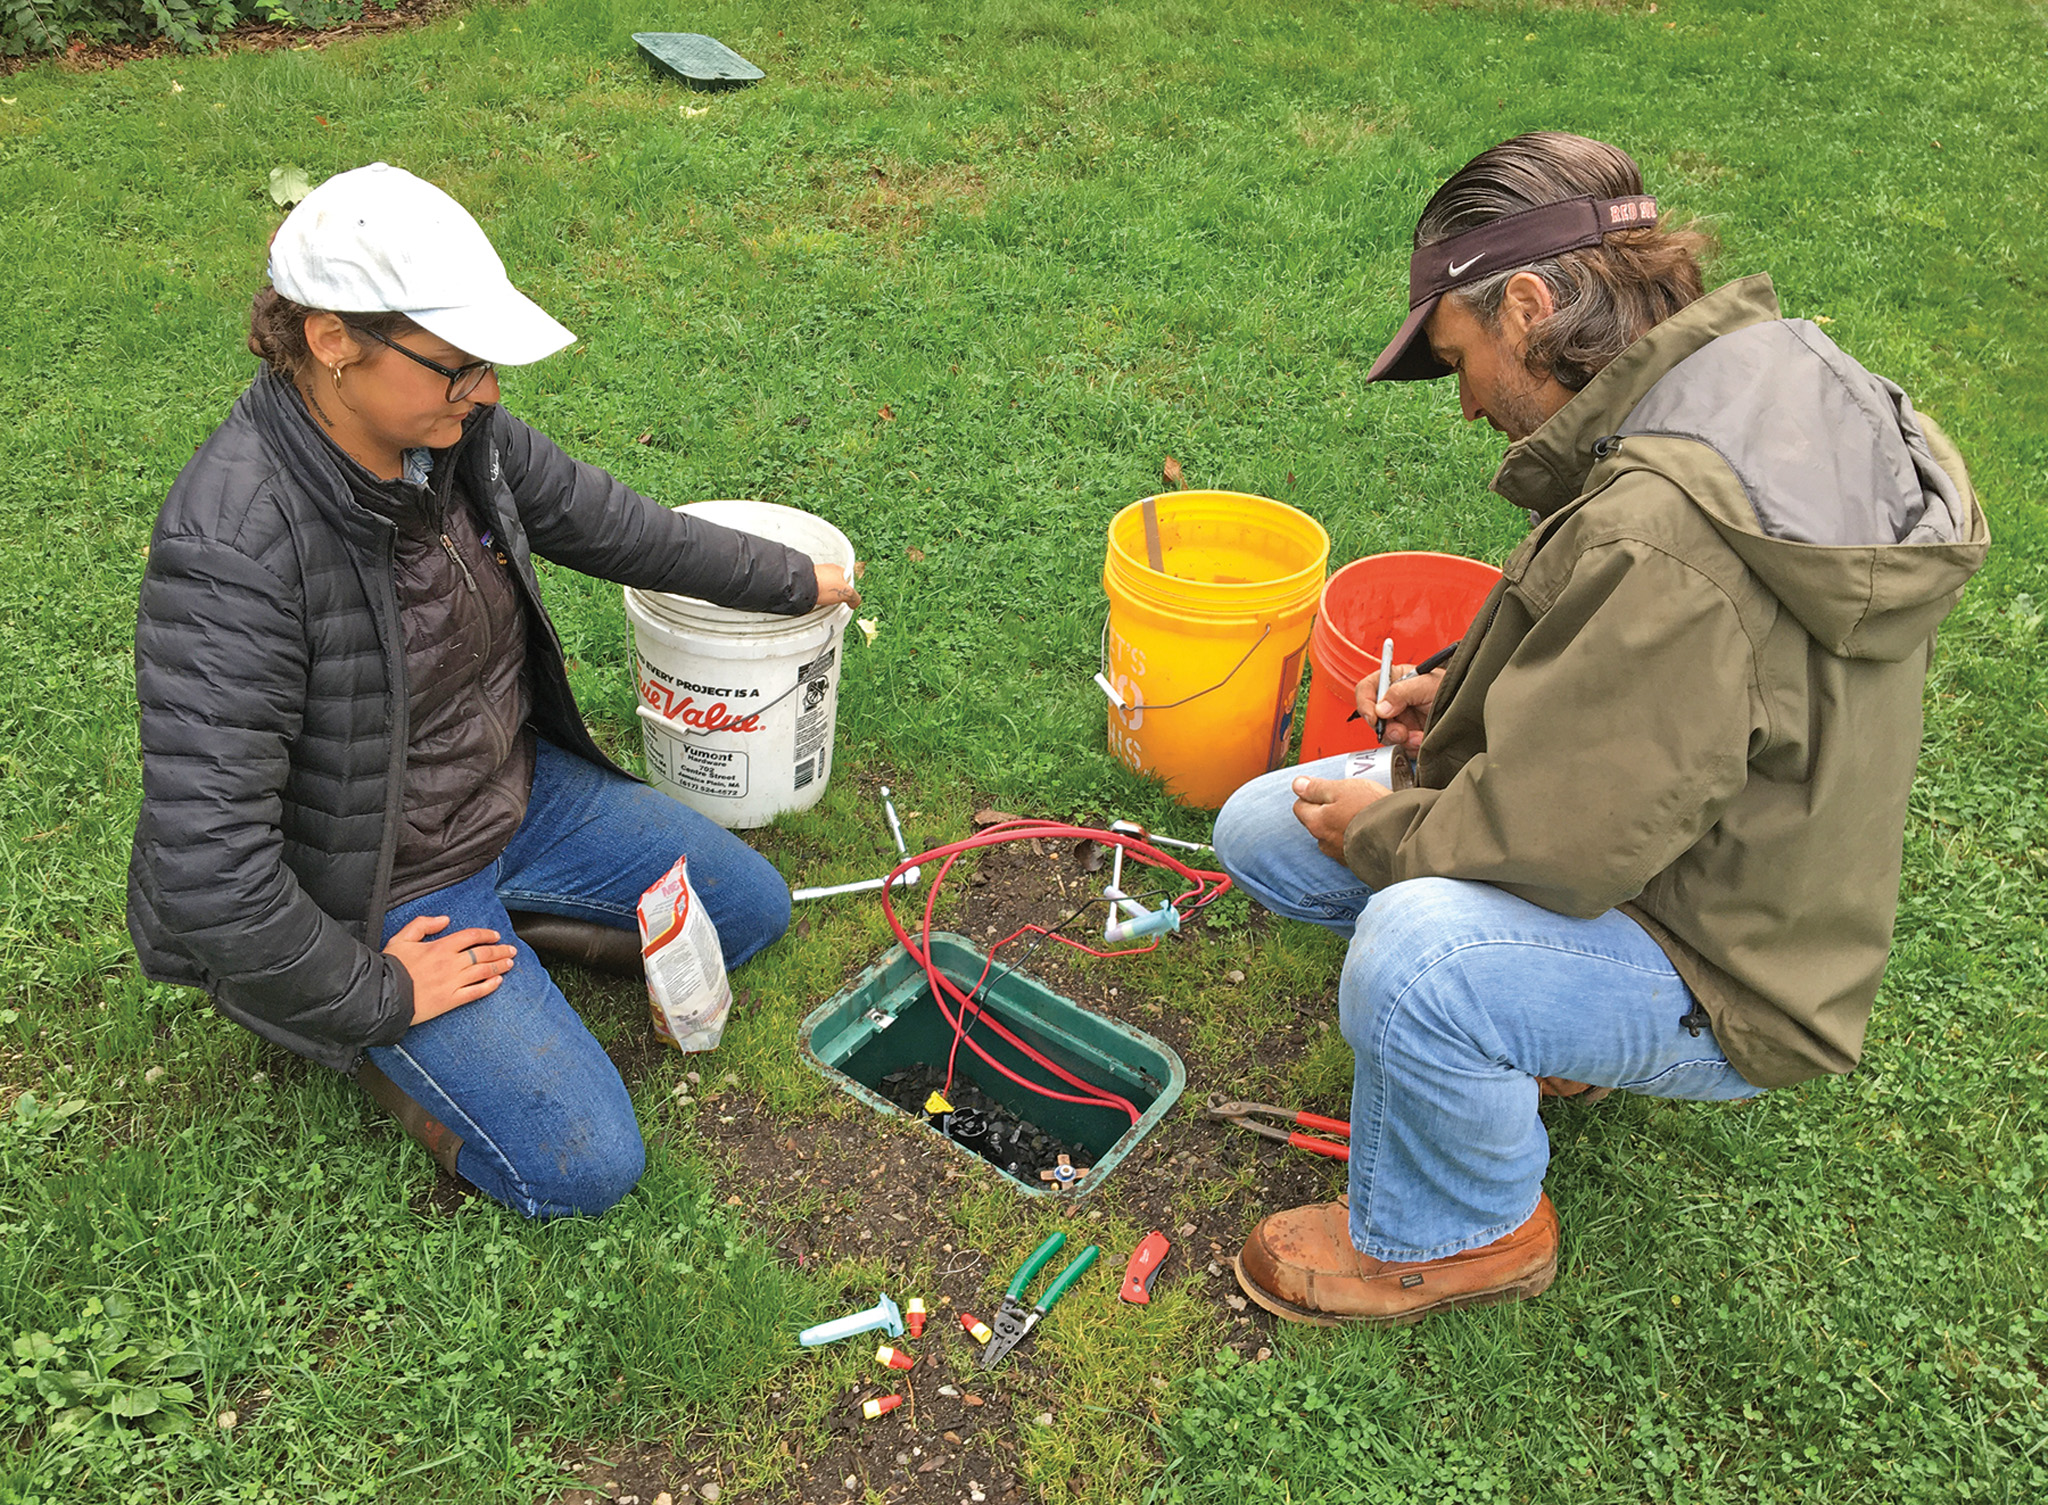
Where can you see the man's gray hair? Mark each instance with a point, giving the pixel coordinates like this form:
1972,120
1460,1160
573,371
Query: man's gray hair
1608,296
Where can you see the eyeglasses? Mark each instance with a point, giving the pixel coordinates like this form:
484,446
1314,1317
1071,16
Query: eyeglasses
462,380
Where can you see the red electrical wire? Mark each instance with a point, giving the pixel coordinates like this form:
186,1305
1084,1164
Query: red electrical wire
1207,887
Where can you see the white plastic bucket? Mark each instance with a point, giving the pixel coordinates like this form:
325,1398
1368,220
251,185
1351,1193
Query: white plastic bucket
738,708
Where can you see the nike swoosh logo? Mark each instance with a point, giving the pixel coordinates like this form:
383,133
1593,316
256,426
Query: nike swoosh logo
1455,270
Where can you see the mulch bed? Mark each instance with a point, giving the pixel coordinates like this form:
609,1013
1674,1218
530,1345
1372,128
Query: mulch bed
83,56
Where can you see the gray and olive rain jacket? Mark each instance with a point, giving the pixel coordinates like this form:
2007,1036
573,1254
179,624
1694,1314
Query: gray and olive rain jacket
1696,693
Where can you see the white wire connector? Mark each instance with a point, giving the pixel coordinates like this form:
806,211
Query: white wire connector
1132,828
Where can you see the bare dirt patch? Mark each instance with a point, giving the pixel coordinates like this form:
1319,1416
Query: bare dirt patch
864,1188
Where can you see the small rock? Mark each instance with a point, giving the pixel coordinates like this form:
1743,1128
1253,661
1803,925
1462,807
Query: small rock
1044,1418
693,1077
1187,1230
952,1437
1234,977
971,1399
259,1079
629,1500
154,1075
1235,1302
664,1498
710,1491
227,1420
952,1390
903,1460
850,1481
1262,1355
1215,1270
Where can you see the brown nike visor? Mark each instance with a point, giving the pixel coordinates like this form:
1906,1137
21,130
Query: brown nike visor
1501,245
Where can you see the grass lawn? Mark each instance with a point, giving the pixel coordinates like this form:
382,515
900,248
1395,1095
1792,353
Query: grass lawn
958,276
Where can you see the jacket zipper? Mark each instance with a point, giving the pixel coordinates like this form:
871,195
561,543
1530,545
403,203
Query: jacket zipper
455,554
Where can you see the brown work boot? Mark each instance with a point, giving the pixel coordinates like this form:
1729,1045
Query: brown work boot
1557,1086
1301,1265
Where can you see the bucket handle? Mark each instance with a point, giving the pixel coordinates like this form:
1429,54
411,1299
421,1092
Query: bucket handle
1102,678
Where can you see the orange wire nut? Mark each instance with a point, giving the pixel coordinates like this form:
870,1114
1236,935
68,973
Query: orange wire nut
913,1316
895,1358
976,1328
881,1405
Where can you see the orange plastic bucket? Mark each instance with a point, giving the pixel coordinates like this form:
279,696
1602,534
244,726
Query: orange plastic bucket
1210,598
1422,601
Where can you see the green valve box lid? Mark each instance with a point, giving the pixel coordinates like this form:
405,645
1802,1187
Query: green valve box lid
699,61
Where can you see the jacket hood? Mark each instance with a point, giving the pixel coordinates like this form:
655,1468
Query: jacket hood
1854,510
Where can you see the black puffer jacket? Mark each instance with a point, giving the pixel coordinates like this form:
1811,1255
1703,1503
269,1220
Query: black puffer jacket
270,666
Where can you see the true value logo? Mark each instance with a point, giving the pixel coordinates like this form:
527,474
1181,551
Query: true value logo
685,704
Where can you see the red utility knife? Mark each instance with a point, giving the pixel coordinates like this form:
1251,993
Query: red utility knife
1145,1262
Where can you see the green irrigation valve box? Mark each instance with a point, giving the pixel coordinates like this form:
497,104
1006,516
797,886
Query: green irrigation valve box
699,61
887,1021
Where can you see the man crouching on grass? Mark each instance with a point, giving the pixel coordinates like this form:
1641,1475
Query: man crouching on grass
1652,835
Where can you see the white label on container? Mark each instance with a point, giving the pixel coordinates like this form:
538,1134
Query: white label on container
813,710
716,771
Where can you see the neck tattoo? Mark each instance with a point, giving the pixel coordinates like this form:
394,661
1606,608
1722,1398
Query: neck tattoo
313,401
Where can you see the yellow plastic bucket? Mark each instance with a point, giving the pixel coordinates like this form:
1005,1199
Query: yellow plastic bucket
1211,596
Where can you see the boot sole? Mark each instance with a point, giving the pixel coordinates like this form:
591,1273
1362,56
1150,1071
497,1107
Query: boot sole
1533,1284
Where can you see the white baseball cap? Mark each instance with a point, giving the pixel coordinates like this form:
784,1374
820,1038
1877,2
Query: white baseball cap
377,239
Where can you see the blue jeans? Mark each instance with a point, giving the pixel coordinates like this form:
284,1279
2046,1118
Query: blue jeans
1455,997
547,1127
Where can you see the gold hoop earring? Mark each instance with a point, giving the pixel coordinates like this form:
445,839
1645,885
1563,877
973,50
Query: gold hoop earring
336,369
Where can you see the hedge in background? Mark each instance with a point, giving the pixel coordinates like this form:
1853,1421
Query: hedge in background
48,25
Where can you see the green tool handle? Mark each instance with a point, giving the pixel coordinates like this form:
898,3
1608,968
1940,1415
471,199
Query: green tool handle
1067,1277
1040,1258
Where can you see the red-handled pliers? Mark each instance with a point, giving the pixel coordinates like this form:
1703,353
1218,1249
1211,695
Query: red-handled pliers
1248,1116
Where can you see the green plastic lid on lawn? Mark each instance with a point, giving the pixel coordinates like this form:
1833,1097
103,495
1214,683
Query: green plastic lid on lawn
701,62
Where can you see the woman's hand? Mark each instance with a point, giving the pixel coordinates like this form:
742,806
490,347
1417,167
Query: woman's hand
446,974
835,586
1406,708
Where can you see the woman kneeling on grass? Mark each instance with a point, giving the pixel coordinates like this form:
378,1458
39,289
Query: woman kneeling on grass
357,729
